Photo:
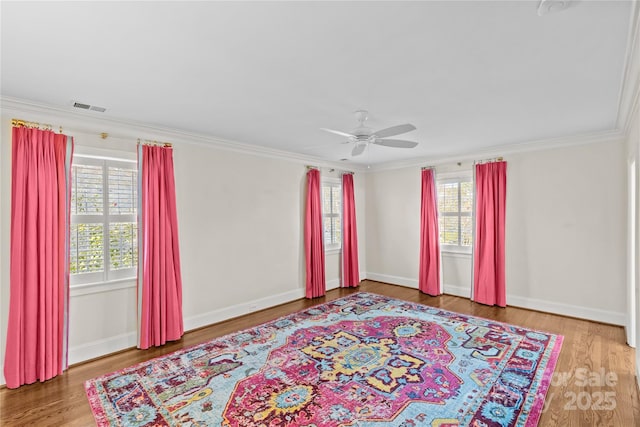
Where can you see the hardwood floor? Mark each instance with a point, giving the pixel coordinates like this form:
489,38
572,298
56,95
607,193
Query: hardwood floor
594,384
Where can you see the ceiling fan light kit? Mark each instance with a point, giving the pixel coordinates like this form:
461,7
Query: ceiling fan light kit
363,135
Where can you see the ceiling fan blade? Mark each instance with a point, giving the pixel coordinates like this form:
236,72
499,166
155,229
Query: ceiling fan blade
394,130
337,132
358,149
397,143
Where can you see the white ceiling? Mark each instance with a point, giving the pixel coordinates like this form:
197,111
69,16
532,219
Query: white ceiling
468,75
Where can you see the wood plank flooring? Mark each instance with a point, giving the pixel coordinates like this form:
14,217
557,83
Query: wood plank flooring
584,391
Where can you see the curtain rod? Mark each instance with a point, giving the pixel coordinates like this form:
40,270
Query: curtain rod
155,143
494,159
330,170
428,167
35,125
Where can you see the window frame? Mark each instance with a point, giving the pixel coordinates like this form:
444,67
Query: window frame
457,177
333,183
107,276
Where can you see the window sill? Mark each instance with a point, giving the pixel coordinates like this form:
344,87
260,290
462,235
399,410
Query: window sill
450,253
332,251
98,287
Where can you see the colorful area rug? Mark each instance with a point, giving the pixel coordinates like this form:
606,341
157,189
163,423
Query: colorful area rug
363,360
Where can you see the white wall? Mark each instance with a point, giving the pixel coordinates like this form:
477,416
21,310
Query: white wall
566,240
240,227
633,260
5,233
393,226
565,231
456,274
240,218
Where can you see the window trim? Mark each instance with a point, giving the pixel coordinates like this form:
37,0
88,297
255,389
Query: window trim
333,182
450,177
107,276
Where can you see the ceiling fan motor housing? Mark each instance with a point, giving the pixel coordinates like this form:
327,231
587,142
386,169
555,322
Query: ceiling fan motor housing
362,137
362,132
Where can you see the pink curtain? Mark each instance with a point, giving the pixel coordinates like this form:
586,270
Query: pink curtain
159,279
429,277
313,242
488,261
36,347
350,269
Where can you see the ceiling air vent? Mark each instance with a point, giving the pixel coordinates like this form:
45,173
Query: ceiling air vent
89,107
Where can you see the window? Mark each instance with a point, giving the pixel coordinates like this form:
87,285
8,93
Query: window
104,227
332,213
455,200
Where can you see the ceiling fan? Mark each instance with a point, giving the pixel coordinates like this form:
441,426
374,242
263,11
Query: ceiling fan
362,136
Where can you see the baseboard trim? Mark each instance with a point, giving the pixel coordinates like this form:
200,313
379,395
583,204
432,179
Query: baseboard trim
218,315
638,373
562,309
333,284
99,348
570,310
459,291
394,280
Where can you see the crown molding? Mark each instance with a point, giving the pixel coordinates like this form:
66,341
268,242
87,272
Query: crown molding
630,83
634,109
88,123
76,121
614,136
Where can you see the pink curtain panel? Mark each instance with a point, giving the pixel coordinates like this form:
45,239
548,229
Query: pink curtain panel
350,268
36,347
313,242
429,275
160,285
488,263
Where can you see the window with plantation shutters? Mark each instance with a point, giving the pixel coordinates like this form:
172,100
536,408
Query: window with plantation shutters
455,208
332,213
104,228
